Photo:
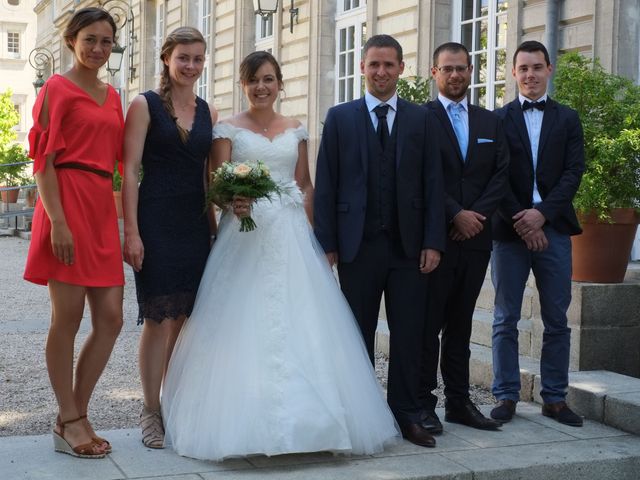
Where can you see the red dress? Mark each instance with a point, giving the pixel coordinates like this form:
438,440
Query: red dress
79,131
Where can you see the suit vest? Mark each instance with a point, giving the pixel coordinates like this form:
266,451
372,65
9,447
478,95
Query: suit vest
382,203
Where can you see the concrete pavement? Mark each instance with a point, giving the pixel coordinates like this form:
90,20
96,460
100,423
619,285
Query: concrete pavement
531,446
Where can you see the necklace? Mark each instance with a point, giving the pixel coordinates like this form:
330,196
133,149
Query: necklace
262,127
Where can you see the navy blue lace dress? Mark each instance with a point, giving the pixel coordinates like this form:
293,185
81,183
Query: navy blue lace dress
172,220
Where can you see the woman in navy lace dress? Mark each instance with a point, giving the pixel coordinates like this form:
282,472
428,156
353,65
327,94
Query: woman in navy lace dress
167,230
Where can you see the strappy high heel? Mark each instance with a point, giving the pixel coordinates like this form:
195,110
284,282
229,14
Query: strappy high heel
152,428
86,450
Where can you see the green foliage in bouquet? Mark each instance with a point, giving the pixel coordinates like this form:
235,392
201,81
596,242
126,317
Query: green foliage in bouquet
241,180
609,109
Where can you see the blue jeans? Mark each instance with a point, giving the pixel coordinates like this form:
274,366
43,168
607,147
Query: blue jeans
510,266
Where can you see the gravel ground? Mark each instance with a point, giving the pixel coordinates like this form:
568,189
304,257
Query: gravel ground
27,404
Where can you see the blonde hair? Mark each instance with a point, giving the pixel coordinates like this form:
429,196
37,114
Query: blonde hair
180,36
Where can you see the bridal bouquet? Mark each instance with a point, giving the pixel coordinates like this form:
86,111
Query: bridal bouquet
243,180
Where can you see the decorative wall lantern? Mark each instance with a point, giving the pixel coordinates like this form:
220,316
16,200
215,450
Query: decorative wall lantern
40,58
266,8
122,14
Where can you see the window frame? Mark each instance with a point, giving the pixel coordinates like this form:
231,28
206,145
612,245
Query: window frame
205,19
355,18
490,83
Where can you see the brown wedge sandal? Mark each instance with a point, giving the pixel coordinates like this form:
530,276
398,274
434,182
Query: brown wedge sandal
86,450
101,442
152,428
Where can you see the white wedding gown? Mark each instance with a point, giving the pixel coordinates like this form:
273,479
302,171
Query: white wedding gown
271,360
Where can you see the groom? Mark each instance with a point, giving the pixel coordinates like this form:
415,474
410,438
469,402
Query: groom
379,215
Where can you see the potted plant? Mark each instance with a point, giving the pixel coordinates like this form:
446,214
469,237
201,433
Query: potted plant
13,161
117,191
608,200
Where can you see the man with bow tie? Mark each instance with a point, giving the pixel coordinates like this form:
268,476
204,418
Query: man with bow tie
532,230
475,159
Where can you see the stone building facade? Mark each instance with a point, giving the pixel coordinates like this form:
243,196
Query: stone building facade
17,38
320,47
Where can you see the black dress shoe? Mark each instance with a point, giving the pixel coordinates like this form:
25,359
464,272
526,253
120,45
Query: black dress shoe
466,413
562,413
431,423
504,411
415,433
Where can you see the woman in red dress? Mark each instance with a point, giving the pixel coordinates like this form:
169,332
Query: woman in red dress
75,246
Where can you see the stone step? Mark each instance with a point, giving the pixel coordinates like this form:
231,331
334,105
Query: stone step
606,397
482,330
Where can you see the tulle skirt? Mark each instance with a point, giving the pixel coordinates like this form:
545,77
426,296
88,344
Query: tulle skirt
272,360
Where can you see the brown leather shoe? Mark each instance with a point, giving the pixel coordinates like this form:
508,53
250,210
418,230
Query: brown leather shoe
417,434
504,411
562,413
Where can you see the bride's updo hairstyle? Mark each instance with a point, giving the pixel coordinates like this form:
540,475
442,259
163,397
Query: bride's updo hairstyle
83,18
253,62
180,36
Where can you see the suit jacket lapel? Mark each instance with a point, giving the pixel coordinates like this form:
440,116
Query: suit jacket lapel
361,112
548,120
517,117
441,113
397,124
473,135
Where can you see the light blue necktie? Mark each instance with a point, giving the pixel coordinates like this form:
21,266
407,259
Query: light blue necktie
459,127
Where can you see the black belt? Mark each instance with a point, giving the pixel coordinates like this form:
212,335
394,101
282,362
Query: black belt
86,168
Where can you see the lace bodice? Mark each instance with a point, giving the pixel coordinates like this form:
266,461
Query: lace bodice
279,154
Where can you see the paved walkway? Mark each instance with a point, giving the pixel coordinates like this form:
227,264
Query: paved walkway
531,446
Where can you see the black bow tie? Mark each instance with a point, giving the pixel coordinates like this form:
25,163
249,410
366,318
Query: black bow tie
526,105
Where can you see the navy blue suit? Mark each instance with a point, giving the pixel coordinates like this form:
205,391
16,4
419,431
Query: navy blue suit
475,183
374,260
560,164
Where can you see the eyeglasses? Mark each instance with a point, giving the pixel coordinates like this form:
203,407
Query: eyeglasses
449,69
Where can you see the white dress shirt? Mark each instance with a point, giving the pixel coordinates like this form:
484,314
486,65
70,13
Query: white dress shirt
372,102
533,119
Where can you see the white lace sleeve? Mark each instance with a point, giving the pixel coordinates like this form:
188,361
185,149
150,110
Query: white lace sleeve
224,130
301,133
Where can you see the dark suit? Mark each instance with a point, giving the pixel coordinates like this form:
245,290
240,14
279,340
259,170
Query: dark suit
560,163
374,257
475,183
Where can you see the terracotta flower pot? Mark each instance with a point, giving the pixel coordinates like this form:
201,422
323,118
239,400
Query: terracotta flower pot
10,196
601,254
117,199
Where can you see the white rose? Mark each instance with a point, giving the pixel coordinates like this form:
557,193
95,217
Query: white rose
242,170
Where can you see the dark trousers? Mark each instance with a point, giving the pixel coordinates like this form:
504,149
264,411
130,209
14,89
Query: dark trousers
453,290
382,267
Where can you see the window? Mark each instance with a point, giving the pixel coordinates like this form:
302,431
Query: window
351,4
160,11
13,44
264,27
481,26
13,3
351,32
264,33
204,20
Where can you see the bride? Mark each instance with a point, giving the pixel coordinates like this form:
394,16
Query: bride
271,360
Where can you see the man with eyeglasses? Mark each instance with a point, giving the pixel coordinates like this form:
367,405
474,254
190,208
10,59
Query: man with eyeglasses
474,162
532,232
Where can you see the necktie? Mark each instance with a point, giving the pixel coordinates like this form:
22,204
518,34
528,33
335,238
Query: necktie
526,105
459,127
383,128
